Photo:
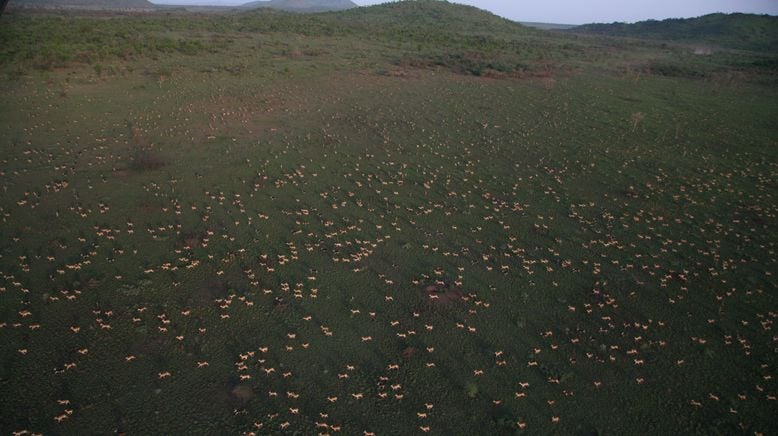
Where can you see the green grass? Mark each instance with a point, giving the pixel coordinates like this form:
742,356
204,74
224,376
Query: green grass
594,225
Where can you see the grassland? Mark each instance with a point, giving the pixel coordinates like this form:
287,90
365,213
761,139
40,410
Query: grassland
361,222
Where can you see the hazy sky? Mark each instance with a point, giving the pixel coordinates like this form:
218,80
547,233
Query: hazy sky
586,11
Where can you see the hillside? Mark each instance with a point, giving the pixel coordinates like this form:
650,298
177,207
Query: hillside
438,34
83,4
738,31
303,5
432,14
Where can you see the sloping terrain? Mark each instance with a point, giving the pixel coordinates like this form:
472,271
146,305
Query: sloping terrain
86,4
431,15
739,31
303,5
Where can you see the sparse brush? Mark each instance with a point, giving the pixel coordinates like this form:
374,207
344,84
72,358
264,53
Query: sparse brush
146,159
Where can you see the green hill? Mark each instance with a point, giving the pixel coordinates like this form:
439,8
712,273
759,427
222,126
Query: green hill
303,5
83,4
432,15
738,31
433,34
425,22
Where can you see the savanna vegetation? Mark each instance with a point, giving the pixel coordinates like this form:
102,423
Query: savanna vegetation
404,219
736,31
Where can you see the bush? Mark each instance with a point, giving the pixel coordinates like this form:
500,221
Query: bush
146,159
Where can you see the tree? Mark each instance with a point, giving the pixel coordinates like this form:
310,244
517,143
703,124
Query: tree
3,3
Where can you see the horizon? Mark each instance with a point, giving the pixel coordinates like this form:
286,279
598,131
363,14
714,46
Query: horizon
575,11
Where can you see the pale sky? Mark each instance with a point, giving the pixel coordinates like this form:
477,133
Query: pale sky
583,11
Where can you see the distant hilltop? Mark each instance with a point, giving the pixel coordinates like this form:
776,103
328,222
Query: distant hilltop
303,5
286,5
84,4
737,31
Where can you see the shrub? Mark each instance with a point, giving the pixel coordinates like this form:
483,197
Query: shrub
145,158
